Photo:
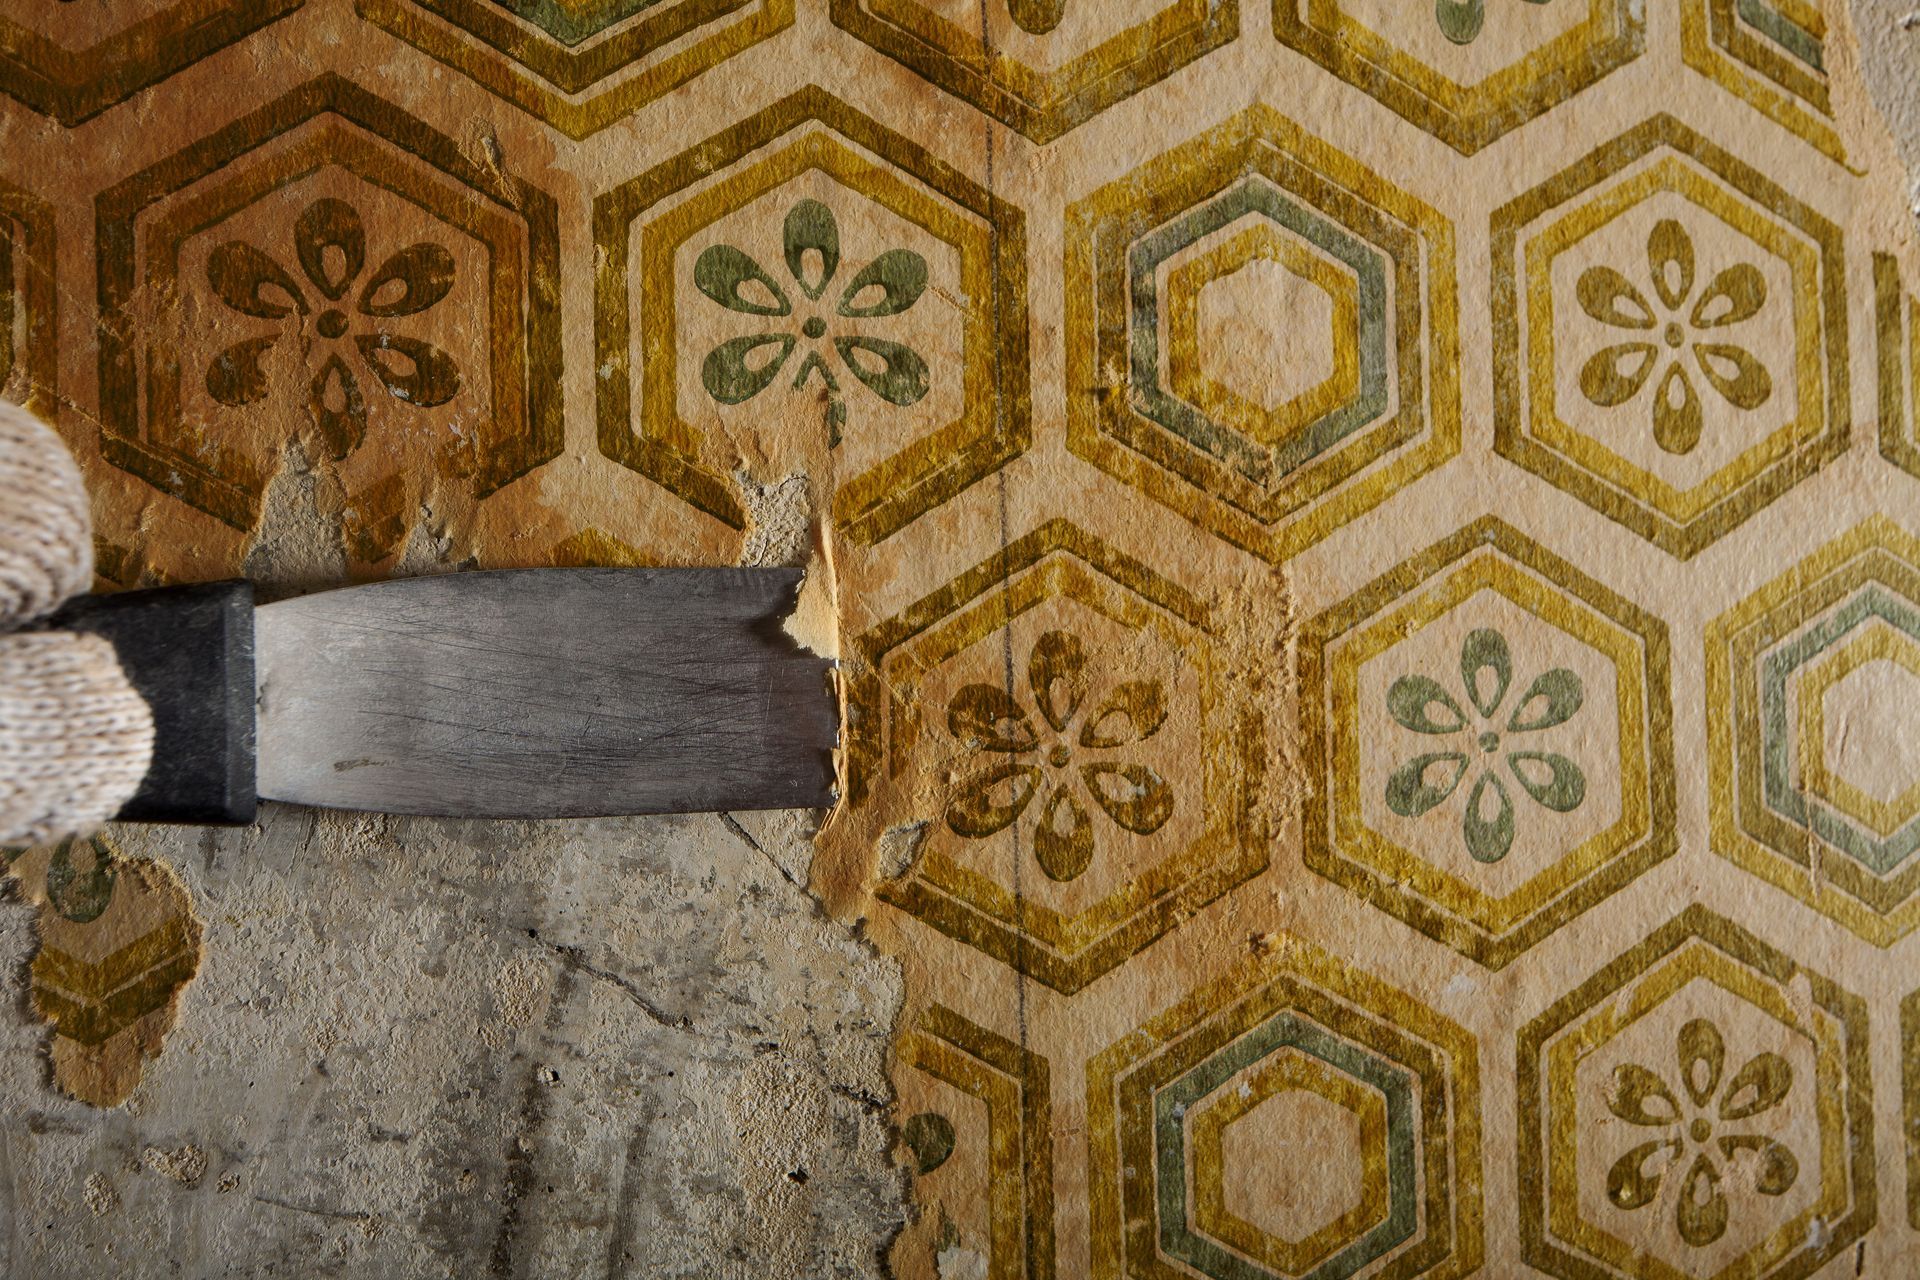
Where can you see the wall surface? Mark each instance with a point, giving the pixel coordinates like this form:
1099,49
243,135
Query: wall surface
427,1049
1373,547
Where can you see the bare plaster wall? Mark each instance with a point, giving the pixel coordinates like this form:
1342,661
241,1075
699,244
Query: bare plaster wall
620,1048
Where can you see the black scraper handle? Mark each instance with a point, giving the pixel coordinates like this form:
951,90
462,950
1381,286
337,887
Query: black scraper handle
189,651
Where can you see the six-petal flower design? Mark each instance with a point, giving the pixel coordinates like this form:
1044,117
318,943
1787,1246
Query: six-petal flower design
1419,703
741,368
1617,373
1709,1127
1037,756
330,244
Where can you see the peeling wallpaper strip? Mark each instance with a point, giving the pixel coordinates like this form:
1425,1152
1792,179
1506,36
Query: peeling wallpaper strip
118,940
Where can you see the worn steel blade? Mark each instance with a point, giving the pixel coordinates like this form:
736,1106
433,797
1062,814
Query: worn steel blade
545,693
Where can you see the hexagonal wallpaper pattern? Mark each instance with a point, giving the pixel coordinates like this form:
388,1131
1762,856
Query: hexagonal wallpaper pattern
1375,547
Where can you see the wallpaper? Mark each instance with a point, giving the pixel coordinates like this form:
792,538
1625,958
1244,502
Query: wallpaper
1372,545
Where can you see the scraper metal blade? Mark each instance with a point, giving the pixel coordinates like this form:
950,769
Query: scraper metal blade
539,693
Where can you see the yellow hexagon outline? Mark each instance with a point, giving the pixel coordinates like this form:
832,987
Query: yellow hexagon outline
1289,1071
1014,1085
1493,915
1699,51
1553,58
1729,840
1187,370
1668,175
1465,117
578,115
885,724
1340,499
1696,960
1896,327
1235,995
1878,642
73,84
1042,104
1512,438
1061,579
822,151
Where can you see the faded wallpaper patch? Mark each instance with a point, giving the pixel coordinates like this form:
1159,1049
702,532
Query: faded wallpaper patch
1373,545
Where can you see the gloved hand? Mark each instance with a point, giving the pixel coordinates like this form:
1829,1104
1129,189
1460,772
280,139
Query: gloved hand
75,736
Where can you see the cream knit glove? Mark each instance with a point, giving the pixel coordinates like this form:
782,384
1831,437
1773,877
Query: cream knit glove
75,736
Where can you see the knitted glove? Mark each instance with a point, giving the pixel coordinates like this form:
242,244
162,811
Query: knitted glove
75,736
46,541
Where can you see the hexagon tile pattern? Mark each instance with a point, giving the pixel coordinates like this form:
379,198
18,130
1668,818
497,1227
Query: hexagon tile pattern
1251,1067
1700,1106
1489,741
1123,768
1373,548
1270,472
74,61
1672,335
1815,786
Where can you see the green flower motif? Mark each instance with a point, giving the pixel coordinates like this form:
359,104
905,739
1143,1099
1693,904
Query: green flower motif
1486,673
987,718
1640,1097
1460,20
741,368
81,894
1616,374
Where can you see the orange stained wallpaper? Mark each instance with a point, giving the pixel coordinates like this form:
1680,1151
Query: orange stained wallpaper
1375,547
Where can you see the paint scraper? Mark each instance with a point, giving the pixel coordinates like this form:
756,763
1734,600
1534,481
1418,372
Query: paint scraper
539,693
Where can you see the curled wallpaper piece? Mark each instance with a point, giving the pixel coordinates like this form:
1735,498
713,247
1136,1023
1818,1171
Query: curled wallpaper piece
118,944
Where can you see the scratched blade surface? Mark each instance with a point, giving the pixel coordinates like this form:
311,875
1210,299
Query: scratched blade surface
545,693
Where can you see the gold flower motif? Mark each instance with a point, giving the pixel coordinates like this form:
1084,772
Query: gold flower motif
330,244
1037,17
1699,1129
986,717
1616,374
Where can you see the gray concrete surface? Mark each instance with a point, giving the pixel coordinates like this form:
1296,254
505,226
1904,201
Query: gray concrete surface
618,1048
